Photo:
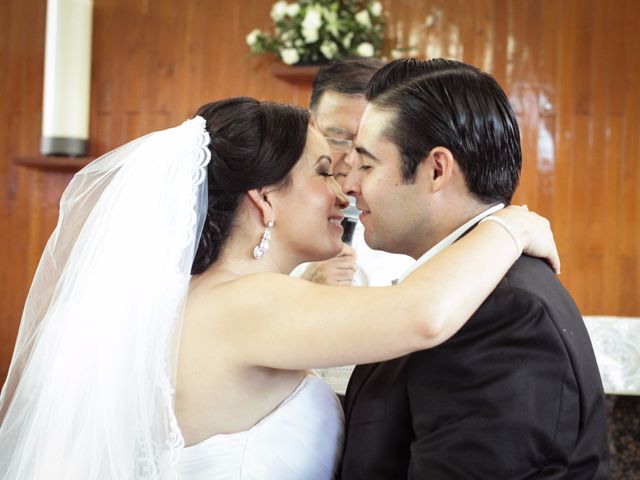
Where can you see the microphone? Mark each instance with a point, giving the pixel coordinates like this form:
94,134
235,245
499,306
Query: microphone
349,221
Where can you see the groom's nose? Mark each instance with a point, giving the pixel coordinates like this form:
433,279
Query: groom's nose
351,183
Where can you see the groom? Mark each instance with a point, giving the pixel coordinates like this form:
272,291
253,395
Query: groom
516,392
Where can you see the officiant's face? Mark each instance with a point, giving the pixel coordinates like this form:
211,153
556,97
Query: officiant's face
336,116
393,211
309,210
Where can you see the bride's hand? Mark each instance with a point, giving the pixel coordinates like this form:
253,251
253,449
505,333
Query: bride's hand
533,232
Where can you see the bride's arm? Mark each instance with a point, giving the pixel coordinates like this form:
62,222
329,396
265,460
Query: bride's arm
282,322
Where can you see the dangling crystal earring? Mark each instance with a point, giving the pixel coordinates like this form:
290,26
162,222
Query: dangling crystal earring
261,249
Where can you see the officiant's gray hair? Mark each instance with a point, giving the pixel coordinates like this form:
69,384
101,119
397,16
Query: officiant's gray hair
349,76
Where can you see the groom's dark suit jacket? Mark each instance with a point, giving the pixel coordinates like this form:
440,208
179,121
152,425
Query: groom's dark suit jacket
515,394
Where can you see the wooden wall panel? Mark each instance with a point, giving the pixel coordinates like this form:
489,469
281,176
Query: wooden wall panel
570,67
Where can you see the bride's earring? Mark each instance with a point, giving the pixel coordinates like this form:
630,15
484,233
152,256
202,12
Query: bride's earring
261,249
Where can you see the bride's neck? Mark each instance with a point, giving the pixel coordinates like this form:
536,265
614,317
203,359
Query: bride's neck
237,262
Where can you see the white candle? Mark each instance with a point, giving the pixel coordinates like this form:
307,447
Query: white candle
67,77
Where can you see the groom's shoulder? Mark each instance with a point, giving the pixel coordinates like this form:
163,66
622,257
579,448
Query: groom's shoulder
533,281
531,274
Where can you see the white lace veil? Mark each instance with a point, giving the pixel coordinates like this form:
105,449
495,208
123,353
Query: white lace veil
89,393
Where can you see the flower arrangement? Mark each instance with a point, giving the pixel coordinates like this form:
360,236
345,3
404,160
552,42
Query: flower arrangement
316,31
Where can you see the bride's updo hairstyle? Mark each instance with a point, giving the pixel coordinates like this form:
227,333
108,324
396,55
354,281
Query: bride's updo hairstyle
253,144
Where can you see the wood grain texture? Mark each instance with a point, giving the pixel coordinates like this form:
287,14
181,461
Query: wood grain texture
570,67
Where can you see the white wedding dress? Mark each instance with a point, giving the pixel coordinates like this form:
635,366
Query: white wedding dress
300,440
89,394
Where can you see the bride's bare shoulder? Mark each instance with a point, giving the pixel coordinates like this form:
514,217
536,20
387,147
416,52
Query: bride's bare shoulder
221,295
227,283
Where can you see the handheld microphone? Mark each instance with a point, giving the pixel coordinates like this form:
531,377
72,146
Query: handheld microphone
349,221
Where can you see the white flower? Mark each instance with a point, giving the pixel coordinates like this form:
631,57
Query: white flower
362,17
289,55
293,9
331,19
365,49
311,24
376,9
329,49
252,38
279,10
346,41
310,35
312,18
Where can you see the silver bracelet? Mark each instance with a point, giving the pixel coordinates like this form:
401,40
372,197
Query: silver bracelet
507,227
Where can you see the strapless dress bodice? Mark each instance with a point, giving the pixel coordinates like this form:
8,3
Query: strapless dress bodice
300,440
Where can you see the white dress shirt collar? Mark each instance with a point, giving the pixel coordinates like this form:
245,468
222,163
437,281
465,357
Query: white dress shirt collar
449,239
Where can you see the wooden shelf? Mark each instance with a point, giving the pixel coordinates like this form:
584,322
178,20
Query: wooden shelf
293,73
53,163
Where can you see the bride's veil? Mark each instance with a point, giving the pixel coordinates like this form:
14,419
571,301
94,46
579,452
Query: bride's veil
89,394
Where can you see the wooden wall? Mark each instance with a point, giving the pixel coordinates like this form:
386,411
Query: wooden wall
571,68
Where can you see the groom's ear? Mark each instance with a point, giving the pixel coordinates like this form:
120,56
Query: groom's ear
439,166
259,198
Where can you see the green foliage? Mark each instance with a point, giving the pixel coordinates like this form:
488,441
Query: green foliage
316,31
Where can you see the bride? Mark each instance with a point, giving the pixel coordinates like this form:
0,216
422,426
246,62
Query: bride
162,337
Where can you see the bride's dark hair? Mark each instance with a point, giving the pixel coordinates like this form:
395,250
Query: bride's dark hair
253,144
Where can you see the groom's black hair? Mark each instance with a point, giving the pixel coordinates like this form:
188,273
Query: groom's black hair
457,106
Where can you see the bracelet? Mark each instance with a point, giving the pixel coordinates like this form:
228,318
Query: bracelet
507,227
